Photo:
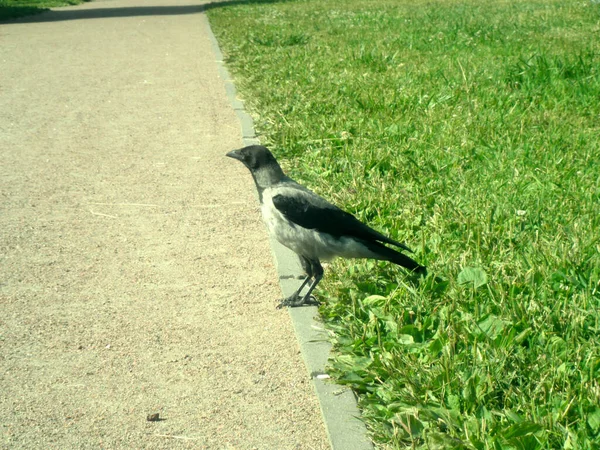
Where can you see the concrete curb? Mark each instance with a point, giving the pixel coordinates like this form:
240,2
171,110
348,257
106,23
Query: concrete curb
338,404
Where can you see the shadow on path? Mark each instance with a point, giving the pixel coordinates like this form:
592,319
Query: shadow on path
100,13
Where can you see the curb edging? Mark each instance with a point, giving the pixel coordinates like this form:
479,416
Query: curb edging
339,409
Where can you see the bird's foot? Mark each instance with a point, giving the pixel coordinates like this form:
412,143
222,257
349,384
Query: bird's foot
293,301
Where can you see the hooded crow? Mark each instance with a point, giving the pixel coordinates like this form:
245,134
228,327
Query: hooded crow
311,226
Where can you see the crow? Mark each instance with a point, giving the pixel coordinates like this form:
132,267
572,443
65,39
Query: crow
311,226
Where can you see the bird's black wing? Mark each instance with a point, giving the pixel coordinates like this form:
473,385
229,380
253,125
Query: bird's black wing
308,210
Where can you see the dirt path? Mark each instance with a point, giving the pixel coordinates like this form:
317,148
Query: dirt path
135,273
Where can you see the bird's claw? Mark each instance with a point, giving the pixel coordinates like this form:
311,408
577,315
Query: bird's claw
293,301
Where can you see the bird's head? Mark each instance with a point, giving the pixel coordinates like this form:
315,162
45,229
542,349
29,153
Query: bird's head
262,164
254,157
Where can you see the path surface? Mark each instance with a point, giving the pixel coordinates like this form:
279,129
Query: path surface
135,273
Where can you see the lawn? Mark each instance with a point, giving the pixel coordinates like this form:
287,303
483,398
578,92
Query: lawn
12,9
470,130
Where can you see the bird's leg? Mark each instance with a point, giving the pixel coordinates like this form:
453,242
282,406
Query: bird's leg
317,271
295,299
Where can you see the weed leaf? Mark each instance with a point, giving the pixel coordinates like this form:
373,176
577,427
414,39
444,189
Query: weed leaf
472,277
491,326
372,300
521,429
593,420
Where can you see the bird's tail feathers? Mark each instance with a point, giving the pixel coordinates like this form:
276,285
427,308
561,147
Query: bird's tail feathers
388,254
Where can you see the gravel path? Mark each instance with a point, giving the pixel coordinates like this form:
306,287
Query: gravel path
135,273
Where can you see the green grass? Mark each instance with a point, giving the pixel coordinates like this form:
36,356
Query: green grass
471,131
13,9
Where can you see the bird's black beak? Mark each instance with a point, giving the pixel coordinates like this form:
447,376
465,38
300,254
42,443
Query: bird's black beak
235,154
